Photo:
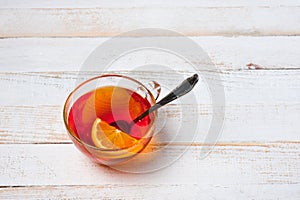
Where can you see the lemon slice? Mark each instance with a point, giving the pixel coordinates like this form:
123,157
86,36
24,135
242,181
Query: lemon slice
108,137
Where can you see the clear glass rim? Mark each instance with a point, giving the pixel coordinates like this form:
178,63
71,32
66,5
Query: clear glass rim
70,131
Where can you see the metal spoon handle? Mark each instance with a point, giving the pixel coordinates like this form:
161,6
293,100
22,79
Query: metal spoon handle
182,89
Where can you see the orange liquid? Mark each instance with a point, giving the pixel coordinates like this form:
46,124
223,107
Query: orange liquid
110,104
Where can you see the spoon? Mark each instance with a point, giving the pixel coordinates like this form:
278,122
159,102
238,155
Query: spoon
186,86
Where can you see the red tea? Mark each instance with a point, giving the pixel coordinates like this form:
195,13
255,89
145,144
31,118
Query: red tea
109,104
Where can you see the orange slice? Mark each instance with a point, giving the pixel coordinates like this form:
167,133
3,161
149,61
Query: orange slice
102,100
108,137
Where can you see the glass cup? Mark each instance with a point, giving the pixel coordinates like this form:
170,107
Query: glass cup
103,155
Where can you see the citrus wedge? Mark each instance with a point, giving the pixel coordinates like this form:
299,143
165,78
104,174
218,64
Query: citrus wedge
106,136
102,100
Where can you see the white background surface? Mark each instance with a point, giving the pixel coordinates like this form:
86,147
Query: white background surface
43,44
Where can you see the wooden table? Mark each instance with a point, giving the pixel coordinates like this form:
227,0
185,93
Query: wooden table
43,44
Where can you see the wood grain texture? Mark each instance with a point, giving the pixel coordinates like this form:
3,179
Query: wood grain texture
191,21
243,123
150,191
257,155
227,53
233,171
257,107
142,3
249,86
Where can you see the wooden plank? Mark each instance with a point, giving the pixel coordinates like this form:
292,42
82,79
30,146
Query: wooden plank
227,53
262,86
141,3
191,21
243,123
275,164
154,191
261,105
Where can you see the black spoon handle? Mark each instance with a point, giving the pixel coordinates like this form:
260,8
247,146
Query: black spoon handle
185,87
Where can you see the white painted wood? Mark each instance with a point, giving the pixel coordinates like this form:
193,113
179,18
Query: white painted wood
243,123
241,171
154,191
142,3
261,105
192,21
241,87
257,156
68,54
